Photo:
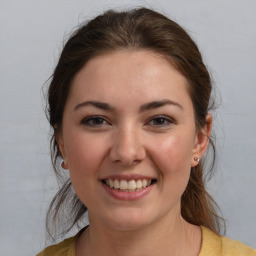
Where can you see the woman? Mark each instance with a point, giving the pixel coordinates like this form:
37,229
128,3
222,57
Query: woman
129,104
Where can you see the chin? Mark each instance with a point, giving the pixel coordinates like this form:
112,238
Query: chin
130,225
129,220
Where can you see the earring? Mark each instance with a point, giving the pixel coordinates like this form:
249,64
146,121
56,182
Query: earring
64,165
196,159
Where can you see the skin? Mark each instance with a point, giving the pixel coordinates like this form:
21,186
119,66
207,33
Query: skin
159,142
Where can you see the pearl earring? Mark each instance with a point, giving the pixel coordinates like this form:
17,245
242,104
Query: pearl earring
196,159
64,165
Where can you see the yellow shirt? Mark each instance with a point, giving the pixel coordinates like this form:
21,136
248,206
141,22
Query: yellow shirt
212,245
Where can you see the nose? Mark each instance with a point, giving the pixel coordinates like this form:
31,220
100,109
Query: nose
127,148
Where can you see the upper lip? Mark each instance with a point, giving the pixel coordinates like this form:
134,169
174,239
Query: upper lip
128,177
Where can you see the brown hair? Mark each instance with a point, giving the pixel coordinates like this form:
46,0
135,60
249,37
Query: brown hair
134,30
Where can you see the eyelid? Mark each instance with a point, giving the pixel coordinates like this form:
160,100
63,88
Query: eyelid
169,119
105,122
93,117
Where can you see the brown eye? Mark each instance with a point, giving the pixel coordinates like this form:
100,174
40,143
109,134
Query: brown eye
160,121
94,121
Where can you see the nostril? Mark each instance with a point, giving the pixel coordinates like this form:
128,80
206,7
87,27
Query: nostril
127,151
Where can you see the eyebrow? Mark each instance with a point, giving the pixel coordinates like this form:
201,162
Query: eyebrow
97,104
143,108
158,104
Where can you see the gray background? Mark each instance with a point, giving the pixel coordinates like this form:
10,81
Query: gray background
31,35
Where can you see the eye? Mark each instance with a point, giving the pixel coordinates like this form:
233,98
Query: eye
94,121
160,121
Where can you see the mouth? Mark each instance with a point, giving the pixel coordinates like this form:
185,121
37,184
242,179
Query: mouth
128,185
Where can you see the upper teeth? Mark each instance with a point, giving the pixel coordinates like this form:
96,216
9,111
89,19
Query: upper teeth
128,185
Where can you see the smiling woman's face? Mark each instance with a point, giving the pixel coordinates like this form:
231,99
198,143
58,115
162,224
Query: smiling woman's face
129,123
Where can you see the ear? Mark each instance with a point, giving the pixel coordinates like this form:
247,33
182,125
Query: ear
202,141
60,142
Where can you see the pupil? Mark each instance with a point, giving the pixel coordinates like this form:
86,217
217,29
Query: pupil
159,120
97,120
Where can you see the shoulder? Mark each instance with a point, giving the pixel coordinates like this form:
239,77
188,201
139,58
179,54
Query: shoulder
65,248
214,245
232,247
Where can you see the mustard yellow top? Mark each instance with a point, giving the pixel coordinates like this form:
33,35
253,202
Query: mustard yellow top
212,245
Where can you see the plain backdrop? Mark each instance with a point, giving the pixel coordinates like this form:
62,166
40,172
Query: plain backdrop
31,37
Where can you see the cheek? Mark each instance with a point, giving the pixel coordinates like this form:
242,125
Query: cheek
173,155
172,159
84,156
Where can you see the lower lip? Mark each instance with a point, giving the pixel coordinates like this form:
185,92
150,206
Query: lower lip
127,196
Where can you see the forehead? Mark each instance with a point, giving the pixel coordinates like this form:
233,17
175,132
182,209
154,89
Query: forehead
125,74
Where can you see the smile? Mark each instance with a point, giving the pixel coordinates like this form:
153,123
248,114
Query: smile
128,185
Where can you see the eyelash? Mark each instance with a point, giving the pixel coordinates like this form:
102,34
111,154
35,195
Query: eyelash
162,118
90,121
86,121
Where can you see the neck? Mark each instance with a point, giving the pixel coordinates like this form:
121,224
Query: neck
176,237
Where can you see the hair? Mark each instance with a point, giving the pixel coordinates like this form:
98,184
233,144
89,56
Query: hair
135,29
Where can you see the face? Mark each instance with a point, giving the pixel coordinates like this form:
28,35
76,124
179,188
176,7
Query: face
129,138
